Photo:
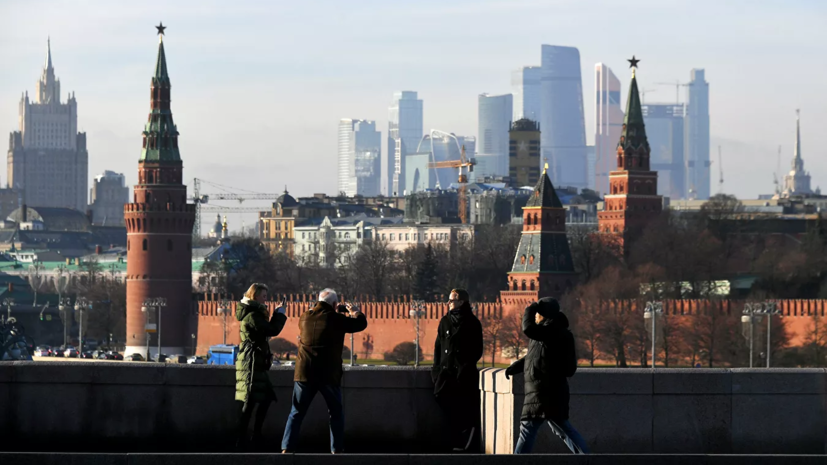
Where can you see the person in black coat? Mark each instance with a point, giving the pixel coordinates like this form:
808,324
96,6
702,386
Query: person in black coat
457,349
550,360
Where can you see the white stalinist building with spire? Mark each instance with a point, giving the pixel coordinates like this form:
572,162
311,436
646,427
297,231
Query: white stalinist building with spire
797,182
47,159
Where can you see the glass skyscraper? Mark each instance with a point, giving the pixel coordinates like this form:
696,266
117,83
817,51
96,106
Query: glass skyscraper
360,160
562,123
697,136
404,133
494,119
665,131
608,122
525,86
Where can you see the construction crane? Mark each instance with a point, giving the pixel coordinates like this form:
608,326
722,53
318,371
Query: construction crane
460,164
720,172
678,85
200,199
643,93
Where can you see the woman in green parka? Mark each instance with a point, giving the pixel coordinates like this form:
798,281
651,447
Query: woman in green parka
252,383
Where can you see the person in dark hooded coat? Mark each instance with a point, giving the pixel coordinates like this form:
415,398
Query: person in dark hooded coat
252,382
551,359
457,349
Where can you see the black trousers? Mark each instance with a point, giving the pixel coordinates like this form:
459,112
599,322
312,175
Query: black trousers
463,411
245,412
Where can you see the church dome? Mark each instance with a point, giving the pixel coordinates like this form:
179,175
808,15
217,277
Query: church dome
215,231
286,200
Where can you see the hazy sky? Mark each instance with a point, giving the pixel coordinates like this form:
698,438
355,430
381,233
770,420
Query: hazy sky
259,86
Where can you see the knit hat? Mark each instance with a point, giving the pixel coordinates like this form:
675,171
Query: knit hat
462,294
549,306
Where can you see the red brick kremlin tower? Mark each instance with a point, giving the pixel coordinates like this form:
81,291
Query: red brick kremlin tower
159,226
542,266
633,198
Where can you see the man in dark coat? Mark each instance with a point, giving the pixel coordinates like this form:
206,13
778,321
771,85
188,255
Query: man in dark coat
550,360
322,332
252,383
457,349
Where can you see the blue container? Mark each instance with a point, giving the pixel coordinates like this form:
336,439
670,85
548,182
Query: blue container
223,354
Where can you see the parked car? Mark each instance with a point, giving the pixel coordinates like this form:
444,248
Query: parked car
160,358
289,363
276,363
196,361
87,354
135,358
112,355
71,352
43,351
98,354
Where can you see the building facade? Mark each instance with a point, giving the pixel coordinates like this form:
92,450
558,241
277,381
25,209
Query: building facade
360,157
633,198
332,241
47,158
608,121
561,116
404,132
159,224
400,237
797,181
107,197
494,121
525,86
696,137
665,131
524,152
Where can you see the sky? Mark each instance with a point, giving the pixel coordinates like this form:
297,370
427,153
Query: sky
258,87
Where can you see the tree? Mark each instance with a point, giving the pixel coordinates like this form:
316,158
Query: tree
512,339
426,278
815,341
590,252
403,354
108,313
373,262
281,347
492,328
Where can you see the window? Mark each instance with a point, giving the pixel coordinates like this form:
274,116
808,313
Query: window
522,259
347,235
531,260
127,245
302,234
392,237
144,244
169,245
407,237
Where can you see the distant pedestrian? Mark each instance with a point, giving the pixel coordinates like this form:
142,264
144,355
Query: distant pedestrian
550,360
457,350
322,332
252,382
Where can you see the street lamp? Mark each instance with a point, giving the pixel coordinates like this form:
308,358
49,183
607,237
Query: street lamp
81,304
417,312
64,304
753,312
156,303
224,310
193,344
653,311
8,303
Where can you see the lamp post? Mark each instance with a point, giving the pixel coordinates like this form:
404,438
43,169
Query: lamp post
81,304
64,304
653,311
8,302
753,312
416,312
156,303
223,310
193,344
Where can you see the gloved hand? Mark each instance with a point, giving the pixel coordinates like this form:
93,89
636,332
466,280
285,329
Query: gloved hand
534,307
509,372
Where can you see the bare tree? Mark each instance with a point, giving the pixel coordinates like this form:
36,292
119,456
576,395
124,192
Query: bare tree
492,329
512,340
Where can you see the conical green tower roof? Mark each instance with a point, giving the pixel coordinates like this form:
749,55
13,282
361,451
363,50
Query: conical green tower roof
160,133
633,136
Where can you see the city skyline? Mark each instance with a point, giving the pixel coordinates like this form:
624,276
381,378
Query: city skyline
308,86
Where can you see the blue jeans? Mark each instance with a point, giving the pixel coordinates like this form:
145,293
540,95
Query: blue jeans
564,430
303,394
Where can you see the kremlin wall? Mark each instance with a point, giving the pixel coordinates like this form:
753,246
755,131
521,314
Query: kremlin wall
390,324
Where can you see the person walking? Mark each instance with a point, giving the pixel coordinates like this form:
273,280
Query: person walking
551,359
252,383
457,349
322,332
